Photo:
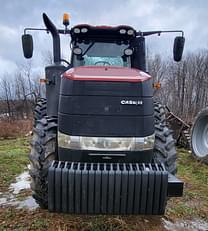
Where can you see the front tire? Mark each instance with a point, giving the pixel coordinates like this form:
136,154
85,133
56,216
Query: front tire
164,149
159,113
40,110
43,152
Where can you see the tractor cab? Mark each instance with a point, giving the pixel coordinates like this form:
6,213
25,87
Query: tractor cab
103,46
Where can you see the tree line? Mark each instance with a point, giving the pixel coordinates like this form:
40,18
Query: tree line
184,86
18,93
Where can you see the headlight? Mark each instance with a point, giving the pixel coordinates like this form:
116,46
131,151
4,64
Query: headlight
128,51
76,30
106,143
66,141
122,31
84,30
145,143
77,51
130,32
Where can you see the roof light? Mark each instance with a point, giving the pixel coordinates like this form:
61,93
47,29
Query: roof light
66,19
130,32
122,31
84,30
76,30
128,51
77,51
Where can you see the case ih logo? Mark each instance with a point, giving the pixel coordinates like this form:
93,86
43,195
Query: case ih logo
131,102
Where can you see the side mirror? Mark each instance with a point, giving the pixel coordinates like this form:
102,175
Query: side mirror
27,45
178,48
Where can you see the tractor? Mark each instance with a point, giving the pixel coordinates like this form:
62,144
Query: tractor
100,142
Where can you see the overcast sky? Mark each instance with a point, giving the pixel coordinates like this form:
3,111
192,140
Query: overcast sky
188,15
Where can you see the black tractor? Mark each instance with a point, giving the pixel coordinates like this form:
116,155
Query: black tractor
100,142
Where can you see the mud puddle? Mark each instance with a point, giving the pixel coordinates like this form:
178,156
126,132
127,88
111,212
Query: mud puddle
165,223
22,182
185,225
19,194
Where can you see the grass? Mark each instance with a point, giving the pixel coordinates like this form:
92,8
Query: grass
14,128
193,205
13,159
195,199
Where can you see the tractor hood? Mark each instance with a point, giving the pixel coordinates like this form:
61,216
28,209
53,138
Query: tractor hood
106,73
106,101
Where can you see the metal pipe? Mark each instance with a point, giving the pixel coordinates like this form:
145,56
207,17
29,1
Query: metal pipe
147,33
56,38
30,28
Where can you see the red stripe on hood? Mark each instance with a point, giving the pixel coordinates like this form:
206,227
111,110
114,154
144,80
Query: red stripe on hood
106,73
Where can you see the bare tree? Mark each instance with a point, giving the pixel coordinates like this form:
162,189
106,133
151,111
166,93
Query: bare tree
6,90
47,57
20,91
184,84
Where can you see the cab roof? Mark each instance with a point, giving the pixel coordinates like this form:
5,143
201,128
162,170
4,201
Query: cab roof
84,31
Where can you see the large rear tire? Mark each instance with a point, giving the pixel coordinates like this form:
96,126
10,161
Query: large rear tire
199,137
164,149
43,152
159,113
40,109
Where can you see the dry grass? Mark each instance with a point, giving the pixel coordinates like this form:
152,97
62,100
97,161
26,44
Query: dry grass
14,128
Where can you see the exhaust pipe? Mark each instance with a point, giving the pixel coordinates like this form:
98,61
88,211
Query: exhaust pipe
56,38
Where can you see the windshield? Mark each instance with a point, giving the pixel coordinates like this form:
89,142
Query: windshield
101,54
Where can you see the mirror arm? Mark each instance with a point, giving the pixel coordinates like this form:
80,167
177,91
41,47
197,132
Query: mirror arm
36,29
147,33
55,34
61,31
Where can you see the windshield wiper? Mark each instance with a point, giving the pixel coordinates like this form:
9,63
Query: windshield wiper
89,47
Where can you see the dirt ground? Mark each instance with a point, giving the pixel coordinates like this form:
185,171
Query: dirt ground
18,210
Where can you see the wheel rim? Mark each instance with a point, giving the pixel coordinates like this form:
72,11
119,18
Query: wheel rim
200,137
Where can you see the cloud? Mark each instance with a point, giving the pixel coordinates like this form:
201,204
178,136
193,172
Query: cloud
190,16
7,66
